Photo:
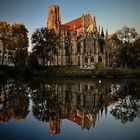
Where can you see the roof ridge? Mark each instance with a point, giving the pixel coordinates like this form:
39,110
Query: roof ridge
72,20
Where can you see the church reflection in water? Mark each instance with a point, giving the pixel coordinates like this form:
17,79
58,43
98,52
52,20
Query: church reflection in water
82,102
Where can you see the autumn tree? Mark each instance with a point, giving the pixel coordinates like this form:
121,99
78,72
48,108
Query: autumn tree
15,39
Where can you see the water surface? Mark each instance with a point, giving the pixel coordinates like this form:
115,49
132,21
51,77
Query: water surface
70,109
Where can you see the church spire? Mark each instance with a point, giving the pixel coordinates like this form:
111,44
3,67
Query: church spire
94,21
102,33
106,33
99,29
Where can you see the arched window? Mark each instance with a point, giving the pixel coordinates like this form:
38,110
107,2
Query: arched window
67,45
79,47
78,60
100,59
102,47
86,59
92,59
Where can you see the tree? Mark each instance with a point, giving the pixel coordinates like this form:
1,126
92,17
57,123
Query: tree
15,39
113,44
19,43
135,53
127,34
127,107
45,44
32,61
123,47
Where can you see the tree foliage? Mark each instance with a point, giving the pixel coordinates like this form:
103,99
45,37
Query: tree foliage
127,34
125,47
14,37
45,44
19,42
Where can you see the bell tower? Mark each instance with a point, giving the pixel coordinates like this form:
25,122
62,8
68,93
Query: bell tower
53,19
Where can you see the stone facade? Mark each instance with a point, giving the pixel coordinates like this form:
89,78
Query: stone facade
53,20
6,55
82,44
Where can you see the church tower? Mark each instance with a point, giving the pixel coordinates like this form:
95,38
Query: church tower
53,19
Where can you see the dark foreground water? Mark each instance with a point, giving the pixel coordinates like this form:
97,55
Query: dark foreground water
70,109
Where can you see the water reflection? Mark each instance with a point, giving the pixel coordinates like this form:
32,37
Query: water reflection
83,102
13,101
79,101
127,106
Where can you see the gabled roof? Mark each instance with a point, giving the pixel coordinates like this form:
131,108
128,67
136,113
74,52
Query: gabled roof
75,119
76,23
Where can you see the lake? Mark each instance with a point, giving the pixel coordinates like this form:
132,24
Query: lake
61,109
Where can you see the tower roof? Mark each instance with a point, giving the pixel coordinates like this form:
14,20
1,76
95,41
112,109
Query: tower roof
102,33
53,6
94,21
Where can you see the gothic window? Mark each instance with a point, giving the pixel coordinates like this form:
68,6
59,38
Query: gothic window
86,87
86,59
100,59
92,59
78,60
67,48
101,46
84,46
78,86
67,96
78,47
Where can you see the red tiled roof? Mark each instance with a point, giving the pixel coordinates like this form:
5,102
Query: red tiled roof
75,119
77,23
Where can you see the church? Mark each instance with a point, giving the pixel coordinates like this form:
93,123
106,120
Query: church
83,44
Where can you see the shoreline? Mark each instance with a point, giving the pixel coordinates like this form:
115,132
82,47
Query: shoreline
71,72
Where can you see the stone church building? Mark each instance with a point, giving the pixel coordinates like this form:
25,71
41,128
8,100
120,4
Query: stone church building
83,45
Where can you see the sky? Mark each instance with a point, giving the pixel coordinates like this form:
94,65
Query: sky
110,14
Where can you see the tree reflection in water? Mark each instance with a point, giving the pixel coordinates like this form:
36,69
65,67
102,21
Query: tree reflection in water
14,101
81,102
127,108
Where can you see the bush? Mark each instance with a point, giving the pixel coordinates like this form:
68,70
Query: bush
100,69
